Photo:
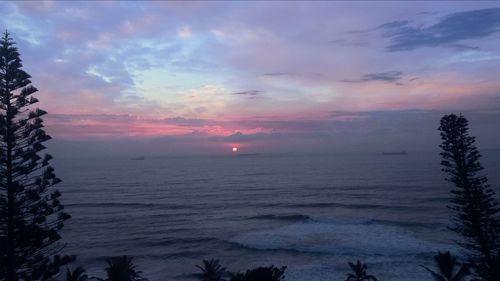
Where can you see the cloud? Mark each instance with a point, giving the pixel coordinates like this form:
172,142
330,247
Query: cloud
393,24
242,63
278,74
293,75
425,13
181,121
248,93
342,131
450,31
389,77
111,126
240,137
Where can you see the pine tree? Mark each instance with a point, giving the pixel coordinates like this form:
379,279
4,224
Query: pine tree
476,212
30,211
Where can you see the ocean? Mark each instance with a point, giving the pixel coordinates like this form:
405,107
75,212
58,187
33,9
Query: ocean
312,213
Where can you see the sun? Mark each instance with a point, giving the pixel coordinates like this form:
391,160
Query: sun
235,149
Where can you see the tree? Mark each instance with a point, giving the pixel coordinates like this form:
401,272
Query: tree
122,269
476,212
211,271
446,264
269,273
359,272
30,211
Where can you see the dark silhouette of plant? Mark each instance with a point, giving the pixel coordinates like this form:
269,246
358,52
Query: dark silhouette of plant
211,271
31,214
270,273
446,265
476,212
122,269
78,274
359,272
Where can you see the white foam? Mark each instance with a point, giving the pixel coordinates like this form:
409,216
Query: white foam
341,237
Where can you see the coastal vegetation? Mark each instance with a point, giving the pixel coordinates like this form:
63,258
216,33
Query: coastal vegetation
448,268
359,272
211,270
475,210
31,214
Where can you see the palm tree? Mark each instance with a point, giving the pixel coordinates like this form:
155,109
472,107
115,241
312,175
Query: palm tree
359,273
265,273
76,275
122,269
446,264
211,270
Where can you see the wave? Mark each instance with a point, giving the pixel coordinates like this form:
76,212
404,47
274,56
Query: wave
429,225
290,217
358,237
301,218
181,241
356,206
127,205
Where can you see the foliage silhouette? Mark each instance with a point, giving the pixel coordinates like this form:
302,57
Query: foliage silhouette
78,274
476,212
446,265
31,214
122,269
269,273
211,270
359,272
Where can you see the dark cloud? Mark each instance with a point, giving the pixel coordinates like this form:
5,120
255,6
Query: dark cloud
94,117
343,131
426,13
294,75
240,137
394,77
391,76
393,24
248,93
195,122
278,74
344,114
448,32
463,47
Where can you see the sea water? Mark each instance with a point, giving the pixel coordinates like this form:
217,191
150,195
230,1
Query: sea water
312,213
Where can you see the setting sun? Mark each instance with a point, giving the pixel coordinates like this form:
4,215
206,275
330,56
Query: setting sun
235,149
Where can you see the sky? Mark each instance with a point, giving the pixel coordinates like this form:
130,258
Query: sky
202,77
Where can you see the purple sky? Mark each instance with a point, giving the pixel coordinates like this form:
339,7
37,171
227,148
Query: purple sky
201,77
